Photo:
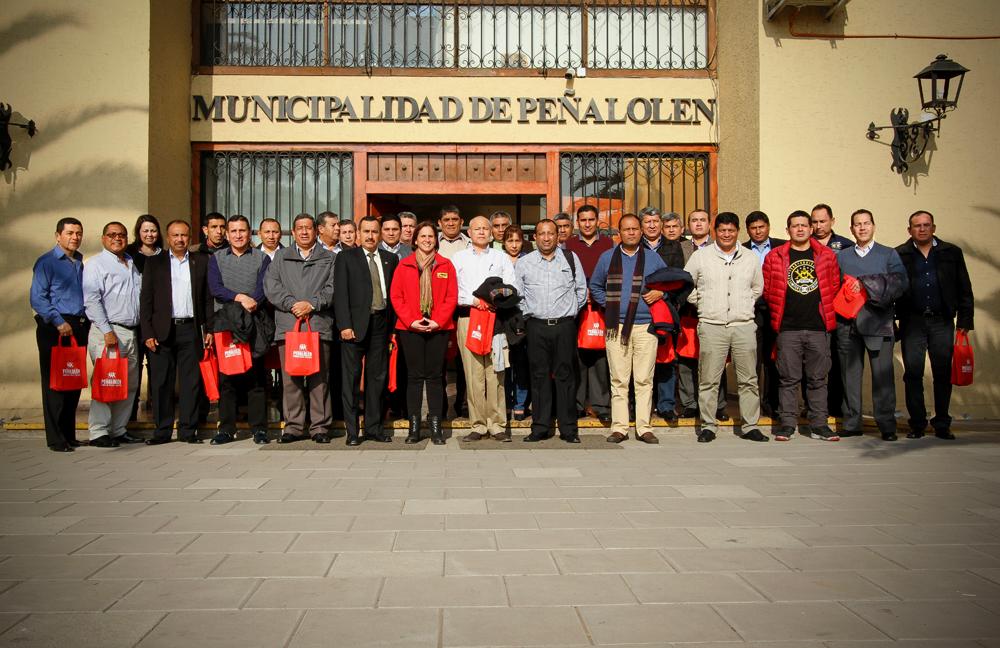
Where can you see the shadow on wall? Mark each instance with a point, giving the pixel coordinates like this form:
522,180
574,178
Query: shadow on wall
808,19
33,25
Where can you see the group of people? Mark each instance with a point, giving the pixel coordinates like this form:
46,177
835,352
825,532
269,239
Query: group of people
392,296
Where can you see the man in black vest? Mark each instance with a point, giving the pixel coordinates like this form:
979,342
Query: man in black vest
362,277
175,317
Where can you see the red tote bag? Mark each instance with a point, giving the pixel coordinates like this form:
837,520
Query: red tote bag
301,350
209,367
234,356
109,383
962,361
591,333
393,359
687,339
479,338
68,368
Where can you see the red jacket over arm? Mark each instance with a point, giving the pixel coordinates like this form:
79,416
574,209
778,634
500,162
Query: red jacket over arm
405,292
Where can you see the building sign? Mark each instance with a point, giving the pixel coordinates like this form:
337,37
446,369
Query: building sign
443,109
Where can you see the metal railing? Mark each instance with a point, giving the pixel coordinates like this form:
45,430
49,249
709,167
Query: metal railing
268,184
621,183
526,34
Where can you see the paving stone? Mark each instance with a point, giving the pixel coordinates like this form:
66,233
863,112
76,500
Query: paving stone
212,523
271,508
934,584
690,588
833,558
63,595
443,507
938,557
555,626
486,563
81,630
546,539
720,538
25,525
240,543
657,624
678,519
721,560
946,534
217,484
157,566
118,524
138,543
274,565
529,473
645,538
398,523
367,628
796,622
541,591
842,536
444,540
338,542
22,545
43,567
930,620
817,586
304,523
314,593
175,508
442,591
389,563
613,561
186,594
720,491
223,629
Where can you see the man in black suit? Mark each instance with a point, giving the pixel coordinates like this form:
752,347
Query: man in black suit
364,316
761,243
175,317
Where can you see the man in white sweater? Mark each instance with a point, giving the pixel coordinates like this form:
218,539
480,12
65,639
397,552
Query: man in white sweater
727,282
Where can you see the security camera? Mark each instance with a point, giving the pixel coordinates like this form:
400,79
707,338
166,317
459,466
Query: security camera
570,73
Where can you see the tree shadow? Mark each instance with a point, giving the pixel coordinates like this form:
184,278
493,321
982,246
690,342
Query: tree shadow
33,25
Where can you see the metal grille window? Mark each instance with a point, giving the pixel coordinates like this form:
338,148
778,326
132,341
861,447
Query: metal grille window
265,184
622,183
527,34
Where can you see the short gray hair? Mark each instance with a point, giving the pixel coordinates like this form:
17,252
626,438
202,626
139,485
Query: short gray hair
672,216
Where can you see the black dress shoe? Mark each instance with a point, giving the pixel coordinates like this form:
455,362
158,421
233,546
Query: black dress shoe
722,415
889,436
706,436
222,438
60,448
73,443
128,438
670,416
851,433
690,412
945,435
157,441
384,438
913,434
260,437
104,441
291,438
572,439
194,440
353,441
321,437
534,438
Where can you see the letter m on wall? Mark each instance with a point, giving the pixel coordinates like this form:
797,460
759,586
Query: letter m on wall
202,110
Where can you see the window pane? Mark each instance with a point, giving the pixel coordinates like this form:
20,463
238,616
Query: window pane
621,183
391,35
500,36
262,34
624,37
262,184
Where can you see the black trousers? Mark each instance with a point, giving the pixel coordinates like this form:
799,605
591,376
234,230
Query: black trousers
594,382
552,359
179,353
335,380
921,336
58,407
460,399
254,384
373,349
424,353
397,401
767,369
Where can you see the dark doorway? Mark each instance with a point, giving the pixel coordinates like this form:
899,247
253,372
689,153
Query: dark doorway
525,210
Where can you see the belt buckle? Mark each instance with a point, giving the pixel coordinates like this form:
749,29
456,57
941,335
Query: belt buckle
552,321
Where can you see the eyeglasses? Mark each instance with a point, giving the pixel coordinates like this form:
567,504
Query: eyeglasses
116,235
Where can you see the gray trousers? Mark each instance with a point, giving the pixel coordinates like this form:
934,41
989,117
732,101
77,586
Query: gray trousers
687,385
297,390
852,350
594,382
111,418
803,354
739,342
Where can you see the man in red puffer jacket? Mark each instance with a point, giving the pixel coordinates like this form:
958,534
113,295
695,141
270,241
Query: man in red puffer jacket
801,279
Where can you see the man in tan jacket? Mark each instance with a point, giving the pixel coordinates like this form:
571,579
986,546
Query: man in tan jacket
727,283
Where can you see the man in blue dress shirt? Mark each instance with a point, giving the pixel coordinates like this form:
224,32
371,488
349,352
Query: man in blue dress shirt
57,299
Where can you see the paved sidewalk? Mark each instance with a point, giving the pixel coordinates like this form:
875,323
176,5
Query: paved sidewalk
802,544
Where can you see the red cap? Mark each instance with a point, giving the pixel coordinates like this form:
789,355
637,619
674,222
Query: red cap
850,299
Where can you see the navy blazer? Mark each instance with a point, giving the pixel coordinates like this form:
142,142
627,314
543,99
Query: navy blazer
352,290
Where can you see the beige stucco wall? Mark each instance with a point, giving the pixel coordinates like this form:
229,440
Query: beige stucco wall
817,97
81,71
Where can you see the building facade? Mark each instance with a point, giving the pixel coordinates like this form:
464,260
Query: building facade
269,109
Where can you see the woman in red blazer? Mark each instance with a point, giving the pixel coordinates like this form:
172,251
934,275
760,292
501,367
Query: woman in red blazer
424,294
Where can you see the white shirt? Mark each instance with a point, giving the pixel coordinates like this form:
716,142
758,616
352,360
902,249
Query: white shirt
180,286
473,266
729,256
378,264
863,251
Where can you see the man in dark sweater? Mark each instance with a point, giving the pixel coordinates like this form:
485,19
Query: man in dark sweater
871,331
940,290
594,378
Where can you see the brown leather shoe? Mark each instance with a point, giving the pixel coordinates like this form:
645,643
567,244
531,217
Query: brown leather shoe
617,437
475,436
502,436
649,437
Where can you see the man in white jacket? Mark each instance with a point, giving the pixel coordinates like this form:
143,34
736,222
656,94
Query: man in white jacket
727,282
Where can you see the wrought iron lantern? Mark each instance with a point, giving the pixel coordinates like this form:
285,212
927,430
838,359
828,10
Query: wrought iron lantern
6,143
940,85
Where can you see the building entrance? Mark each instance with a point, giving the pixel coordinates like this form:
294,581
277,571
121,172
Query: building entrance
525,210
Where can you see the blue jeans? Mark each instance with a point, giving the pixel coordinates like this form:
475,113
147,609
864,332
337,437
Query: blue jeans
518,378
665,380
